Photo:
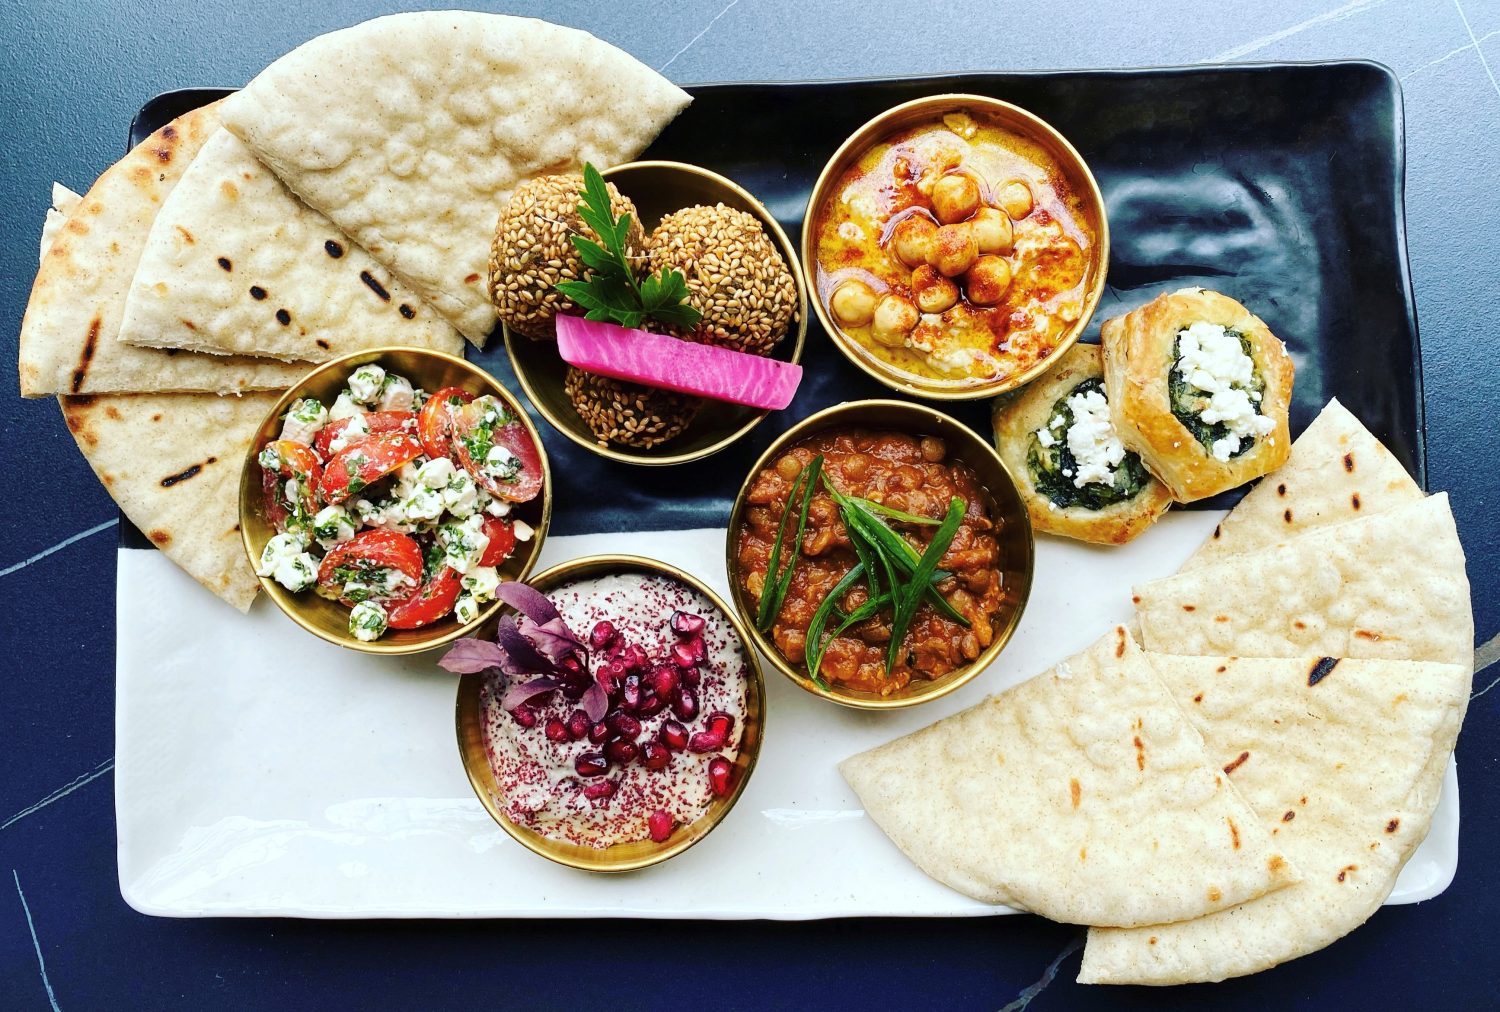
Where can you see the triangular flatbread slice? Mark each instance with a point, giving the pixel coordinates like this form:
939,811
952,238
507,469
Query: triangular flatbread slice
235,264
1392,585
70,335
172,462
1343,761
411,131
1083,795
1338,471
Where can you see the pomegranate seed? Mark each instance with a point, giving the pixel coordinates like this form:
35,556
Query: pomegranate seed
700,652
682,654
575,686
655,755
591,764
674,735
556,730
705,741
599,790
524,715
623,725
663,680
720,723
571,665
602,635
635,658
685,704
630,692
661,824
650,706
690,677
612,674
687,624
599,733
621,752
719,771
578,724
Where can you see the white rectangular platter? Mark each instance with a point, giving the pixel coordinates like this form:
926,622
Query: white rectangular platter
262,772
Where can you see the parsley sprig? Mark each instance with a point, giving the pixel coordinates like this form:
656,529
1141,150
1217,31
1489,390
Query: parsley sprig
612,294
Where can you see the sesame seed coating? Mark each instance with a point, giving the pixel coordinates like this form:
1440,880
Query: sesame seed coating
628,413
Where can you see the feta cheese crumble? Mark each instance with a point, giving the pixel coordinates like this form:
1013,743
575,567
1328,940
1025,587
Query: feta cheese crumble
303,420
396,394
333,526
284,560
1212,360
367,621
365,384
463,543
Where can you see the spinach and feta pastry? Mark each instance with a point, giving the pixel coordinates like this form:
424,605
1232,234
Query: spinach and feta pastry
1073,471
1200,388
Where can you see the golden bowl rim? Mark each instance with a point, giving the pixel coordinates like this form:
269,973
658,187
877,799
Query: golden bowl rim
591,859
794,265
445,632
951,682
903,382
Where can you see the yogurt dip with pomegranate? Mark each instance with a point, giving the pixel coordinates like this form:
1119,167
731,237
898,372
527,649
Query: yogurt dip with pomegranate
676,677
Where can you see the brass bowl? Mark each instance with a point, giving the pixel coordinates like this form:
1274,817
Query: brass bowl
657,190
429,370
1017,548
638,853
923,110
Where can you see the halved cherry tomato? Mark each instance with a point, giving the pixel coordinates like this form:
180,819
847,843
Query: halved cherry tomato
432,601
474,433
365,558
295,460
502,535
435,422
364,461
376,421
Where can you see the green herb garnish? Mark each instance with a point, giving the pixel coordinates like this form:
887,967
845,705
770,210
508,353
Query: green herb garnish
820,620
612,294
778,579
910,595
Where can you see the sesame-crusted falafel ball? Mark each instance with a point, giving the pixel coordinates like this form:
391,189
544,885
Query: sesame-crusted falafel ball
735,275
531,252
628,413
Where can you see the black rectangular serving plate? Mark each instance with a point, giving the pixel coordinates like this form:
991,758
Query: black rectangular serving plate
1278,184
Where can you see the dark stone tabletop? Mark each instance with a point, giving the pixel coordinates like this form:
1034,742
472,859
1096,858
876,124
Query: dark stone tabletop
74,74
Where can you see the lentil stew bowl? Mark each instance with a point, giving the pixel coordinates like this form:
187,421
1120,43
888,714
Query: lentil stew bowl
904,476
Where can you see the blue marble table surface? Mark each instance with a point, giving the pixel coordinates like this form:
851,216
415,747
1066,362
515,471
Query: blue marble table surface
73,75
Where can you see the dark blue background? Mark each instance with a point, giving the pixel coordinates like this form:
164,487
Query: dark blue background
73,76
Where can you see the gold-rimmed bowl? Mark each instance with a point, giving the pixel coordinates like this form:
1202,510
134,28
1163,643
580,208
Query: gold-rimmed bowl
1077,177
658,189
1013,533
635,854
427,370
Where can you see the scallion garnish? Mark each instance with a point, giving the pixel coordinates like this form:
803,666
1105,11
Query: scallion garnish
910,596
820,620
777,579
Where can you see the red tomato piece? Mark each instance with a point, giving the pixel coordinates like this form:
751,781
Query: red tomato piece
294,460
366,558
376,421
476,431
502,535
432,601
435,422
367,460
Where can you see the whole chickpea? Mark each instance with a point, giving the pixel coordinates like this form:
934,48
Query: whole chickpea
955,249
895,316
853,303
992,231
954,197
934,293
987,280
1015,198
913,238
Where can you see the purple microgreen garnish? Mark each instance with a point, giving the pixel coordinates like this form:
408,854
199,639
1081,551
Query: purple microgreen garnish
471,656
521,655
528,601
553,639
595,701
515,695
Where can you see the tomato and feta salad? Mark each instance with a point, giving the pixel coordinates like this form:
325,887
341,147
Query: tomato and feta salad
397,502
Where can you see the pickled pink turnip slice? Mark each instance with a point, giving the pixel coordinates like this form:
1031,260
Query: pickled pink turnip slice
657,360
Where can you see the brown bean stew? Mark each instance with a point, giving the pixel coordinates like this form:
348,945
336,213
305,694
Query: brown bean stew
897,473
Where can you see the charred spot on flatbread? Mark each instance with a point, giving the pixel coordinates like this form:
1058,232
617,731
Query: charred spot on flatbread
1321,669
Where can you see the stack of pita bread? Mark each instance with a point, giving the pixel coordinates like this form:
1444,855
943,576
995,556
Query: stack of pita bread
345,200
1246,788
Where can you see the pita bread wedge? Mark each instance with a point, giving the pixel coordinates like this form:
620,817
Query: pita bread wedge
69,336
172,462
235,264
1083,795
411,131
1391,585
1337,471
1338,757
